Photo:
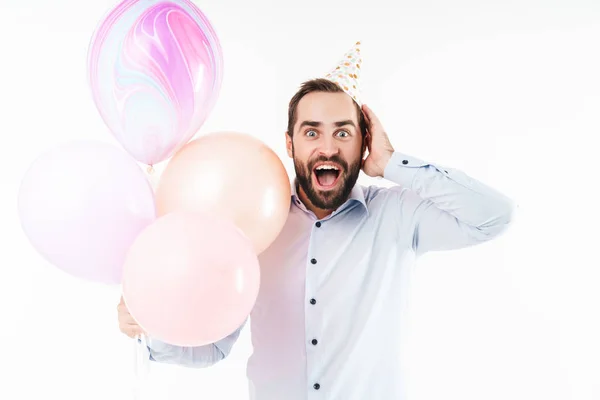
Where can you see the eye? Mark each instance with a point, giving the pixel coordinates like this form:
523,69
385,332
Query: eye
343,133
311,133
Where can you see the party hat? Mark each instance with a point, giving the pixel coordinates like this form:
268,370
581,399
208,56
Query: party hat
347,73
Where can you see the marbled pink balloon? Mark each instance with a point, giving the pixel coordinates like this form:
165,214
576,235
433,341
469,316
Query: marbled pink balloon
155,73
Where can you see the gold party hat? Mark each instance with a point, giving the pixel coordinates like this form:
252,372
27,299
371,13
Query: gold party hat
347,73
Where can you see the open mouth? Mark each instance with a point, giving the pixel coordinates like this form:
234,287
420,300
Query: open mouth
326,176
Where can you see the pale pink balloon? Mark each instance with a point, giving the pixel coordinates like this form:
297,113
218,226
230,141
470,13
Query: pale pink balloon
191,279
82,204
233,175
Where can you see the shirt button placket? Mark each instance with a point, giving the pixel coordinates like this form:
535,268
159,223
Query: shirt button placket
316,386
314,342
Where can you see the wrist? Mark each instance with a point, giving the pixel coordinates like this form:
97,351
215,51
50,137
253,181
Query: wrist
384,162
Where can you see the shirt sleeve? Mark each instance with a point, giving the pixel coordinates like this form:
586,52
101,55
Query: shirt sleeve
447,208
196,357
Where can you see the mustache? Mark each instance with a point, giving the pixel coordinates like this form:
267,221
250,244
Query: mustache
334,159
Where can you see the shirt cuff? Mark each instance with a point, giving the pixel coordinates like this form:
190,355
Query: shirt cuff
402,169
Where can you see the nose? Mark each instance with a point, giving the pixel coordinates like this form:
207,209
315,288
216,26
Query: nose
328,147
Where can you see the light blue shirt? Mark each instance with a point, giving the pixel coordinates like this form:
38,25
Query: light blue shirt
329,317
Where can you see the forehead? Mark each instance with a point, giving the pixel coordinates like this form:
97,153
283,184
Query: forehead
326,107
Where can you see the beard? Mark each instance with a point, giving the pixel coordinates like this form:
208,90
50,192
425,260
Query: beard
330,199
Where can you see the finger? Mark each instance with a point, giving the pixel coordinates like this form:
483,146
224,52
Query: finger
133,334
131,330
128,324
138,331
129,320
373,120
126,319
127,330
135,327
365,111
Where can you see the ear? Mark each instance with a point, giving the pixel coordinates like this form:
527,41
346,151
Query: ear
366,145
288,144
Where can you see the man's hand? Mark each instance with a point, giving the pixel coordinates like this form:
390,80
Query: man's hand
127,324
378,144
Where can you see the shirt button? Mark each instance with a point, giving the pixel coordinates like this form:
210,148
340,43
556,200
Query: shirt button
404,162
314,342
317,386
318,224
313,261
313,301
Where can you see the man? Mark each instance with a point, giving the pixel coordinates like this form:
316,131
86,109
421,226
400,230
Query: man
328,318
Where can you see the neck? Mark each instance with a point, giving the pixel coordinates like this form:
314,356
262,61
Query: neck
319,212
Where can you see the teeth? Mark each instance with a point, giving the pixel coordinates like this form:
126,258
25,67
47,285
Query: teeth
322,167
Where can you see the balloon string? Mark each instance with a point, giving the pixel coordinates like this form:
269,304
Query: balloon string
140,366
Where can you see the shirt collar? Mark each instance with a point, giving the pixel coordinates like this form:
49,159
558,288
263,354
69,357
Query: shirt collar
356,195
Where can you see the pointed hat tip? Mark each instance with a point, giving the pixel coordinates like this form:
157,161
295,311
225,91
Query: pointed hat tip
347,73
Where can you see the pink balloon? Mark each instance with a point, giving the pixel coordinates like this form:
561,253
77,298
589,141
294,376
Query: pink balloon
82,205
155,71
190,279
233,175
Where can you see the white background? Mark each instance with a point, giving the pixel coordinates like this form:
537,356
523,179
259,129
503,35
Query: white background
508,91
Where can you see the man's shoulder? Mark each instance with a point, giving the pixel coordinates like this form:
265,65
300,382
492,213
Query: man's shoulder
373,192
377,195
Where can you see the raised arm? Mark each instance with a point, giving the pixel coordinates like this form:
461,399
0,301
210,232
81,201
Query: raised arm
444,208
441,208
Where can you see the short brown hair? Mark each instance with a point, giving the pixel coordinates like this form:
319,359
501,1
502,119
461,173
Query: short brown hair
319,85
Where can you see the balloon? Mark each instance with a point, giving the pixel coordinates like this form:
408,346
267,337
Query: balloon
82,205
233,175
155,71
190,279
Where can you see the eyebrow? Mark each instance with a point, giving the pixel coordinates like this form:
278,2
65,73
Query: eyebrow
317,124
